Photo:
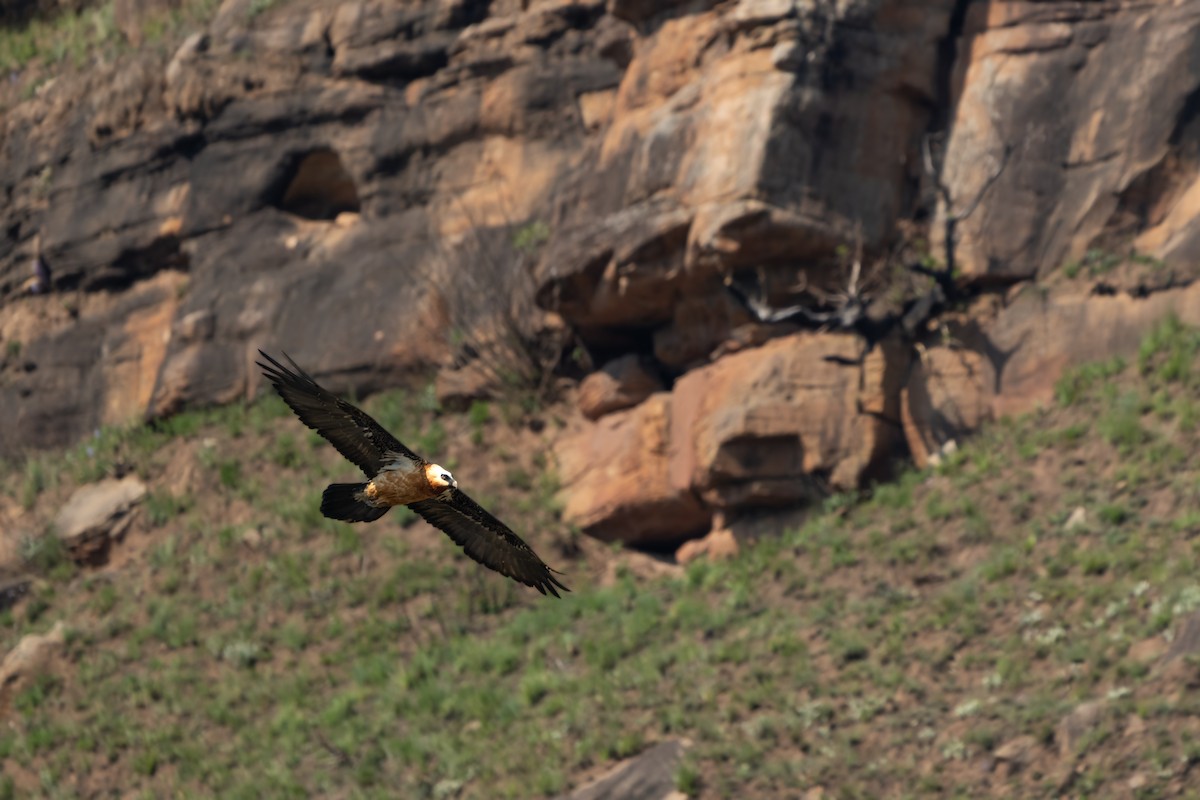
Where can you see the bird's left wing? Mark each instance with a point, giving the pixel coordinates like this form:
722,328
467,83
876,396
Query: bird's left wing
352,431
488,540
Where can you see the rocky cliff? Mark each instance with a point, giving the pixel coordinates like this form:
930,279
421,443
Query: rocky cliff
383,187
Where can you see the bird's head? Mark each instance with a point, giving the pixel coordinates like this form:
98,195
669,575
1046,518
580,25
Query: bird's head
440,478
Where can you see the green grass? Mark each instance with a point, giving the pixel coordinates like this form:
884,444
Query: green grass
1170,350
1078,382
884,648
76,37
68,37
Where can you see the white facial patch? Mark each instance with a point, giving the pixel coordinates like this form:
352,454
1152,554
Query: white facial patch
440,477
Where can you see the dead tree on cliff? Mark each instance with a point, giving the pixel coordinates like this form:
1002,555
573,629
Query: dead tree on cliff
852,311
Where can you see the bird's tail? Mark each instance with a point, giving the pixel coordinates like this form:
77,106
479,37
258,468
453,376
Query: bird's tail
346,501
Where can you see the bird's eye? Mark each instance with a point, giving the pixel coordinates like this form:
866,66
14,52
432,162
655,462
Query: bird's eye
446,477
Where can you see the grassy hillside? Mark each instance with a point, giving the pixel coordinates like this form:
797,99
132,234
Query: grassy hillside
73,37
926,639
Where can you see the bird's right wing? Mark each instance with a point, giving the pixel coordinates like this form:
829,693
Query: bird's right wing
488,540
352,431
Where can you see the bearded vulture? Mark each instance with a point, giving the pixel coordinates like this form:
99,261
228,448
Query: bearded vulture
398,476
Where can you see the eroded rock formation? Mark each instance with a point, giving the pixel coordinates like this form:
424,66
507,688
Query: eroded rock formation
364,183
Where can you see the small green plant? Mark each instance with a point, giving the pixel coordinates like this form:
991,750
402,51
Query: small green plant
1095,261
479,414
230,473
1122,425
285,452
44,553
34,483
106,598
242,653
530,237
1076,383
155,28
687,780
1147,260
1169,351
259,6
163,506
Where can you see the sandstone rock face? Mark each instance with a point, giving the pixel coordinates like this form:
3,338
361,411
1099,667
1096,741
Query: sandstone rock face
1099,139
1006,359
67,372
367,184
307,194
616,483
1036,337
771,426
711,169
622,383
943,400
776,424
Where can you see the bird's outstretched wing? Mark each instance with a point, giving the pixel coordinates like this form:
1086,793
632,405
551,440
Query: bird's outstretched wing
352,431
488,540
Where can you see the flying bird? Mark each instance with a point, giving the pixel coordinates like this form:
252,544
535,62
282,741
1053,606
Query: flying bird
397,476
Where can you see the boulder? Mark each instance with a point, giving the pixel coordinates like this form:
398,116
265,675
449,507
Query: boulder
97,514
649,775
619,384
615,479
1038,335
623,270
773,425
1187,639
720,543
943,401
1075,727
1015,755
31,657
767,427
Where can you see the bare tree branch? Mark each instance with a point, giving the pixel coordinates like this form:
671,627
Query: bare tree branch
850,308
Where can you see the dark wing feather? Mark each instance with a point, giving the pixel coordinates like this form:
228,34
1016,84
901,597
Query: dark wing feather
352,431
488,540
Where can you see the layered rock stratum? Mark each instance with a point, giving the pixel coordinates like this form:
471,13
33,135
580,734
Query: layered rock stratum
370,184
